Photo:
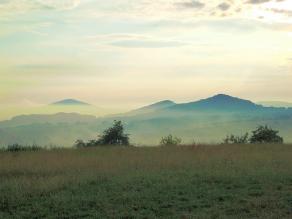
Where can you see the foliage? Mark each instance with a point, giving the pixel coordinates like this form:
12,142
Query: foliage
170,140
18,148
112,136
80,143
93,143
264,134
232,139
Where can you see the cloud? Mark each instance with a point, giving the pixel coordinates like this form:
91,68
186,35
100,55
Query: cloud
60,4
239,25
10,8
134,41
148,44
118,36
282,11
190,5
223,6
47,67
149,11
258,1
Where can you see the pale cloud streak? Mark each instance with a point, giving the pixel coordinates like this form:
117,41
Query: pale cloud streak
60,4
11,8
134,41
264,10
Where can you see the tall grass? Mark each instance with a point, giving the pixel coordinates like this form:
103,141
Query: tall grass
39,179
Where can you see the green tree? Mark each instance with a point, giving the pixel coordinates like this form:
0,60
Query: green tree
170,140
114,135
264,134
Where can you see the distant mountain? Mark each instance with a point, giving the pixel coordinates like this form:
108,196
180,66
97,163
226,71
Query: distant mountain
275,104
70,102
220,102
207,120
153,107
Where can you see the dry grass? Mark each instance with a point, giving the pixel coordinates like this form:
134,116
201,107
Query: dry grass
248,176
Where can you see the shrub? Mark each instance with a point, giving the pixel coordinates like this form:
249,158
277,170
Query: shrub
264,134
170,140
92,143
17,148
232,139
80,144
112,136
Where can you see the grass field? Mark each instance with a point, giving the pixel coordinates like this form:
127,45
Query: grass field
226,181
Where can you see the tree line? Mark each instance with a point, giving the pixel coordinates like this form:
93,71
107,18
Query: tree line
116,135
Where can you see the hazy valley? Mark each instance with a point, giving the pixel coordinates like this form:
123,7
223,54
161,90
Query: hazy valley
204,121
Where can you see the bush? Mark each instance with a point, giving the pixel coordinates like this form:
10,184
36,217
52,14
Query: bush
18,148
80,144
232,139
93,143
170,140
112,136
264,134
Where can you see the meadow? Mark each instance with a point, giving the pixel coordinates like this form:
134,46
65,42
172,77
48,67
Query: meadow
219,181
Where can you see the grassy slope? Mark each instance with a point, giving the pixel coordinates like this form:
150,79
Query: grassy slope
188,182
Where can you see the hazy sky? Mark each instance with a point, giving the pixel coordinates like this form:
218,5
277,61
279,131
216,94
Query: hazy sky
132,52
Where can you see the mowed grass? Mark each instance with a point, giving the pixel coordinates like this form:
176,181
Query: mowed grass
223,181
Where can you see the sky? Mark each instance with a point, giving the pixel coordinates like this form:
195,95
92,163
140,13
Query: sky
128,53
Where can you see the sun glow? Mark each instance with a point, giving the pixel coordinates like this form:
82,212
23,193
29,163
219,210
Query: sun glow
143,50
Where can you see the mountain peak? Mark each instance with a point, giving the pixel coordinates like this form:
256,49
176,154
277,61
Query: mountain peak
223,101
69,102
225,97
222,96
218,102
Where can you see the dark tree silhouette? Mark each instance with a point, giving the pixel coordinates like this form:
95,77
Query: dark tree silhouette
114,135
264,134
